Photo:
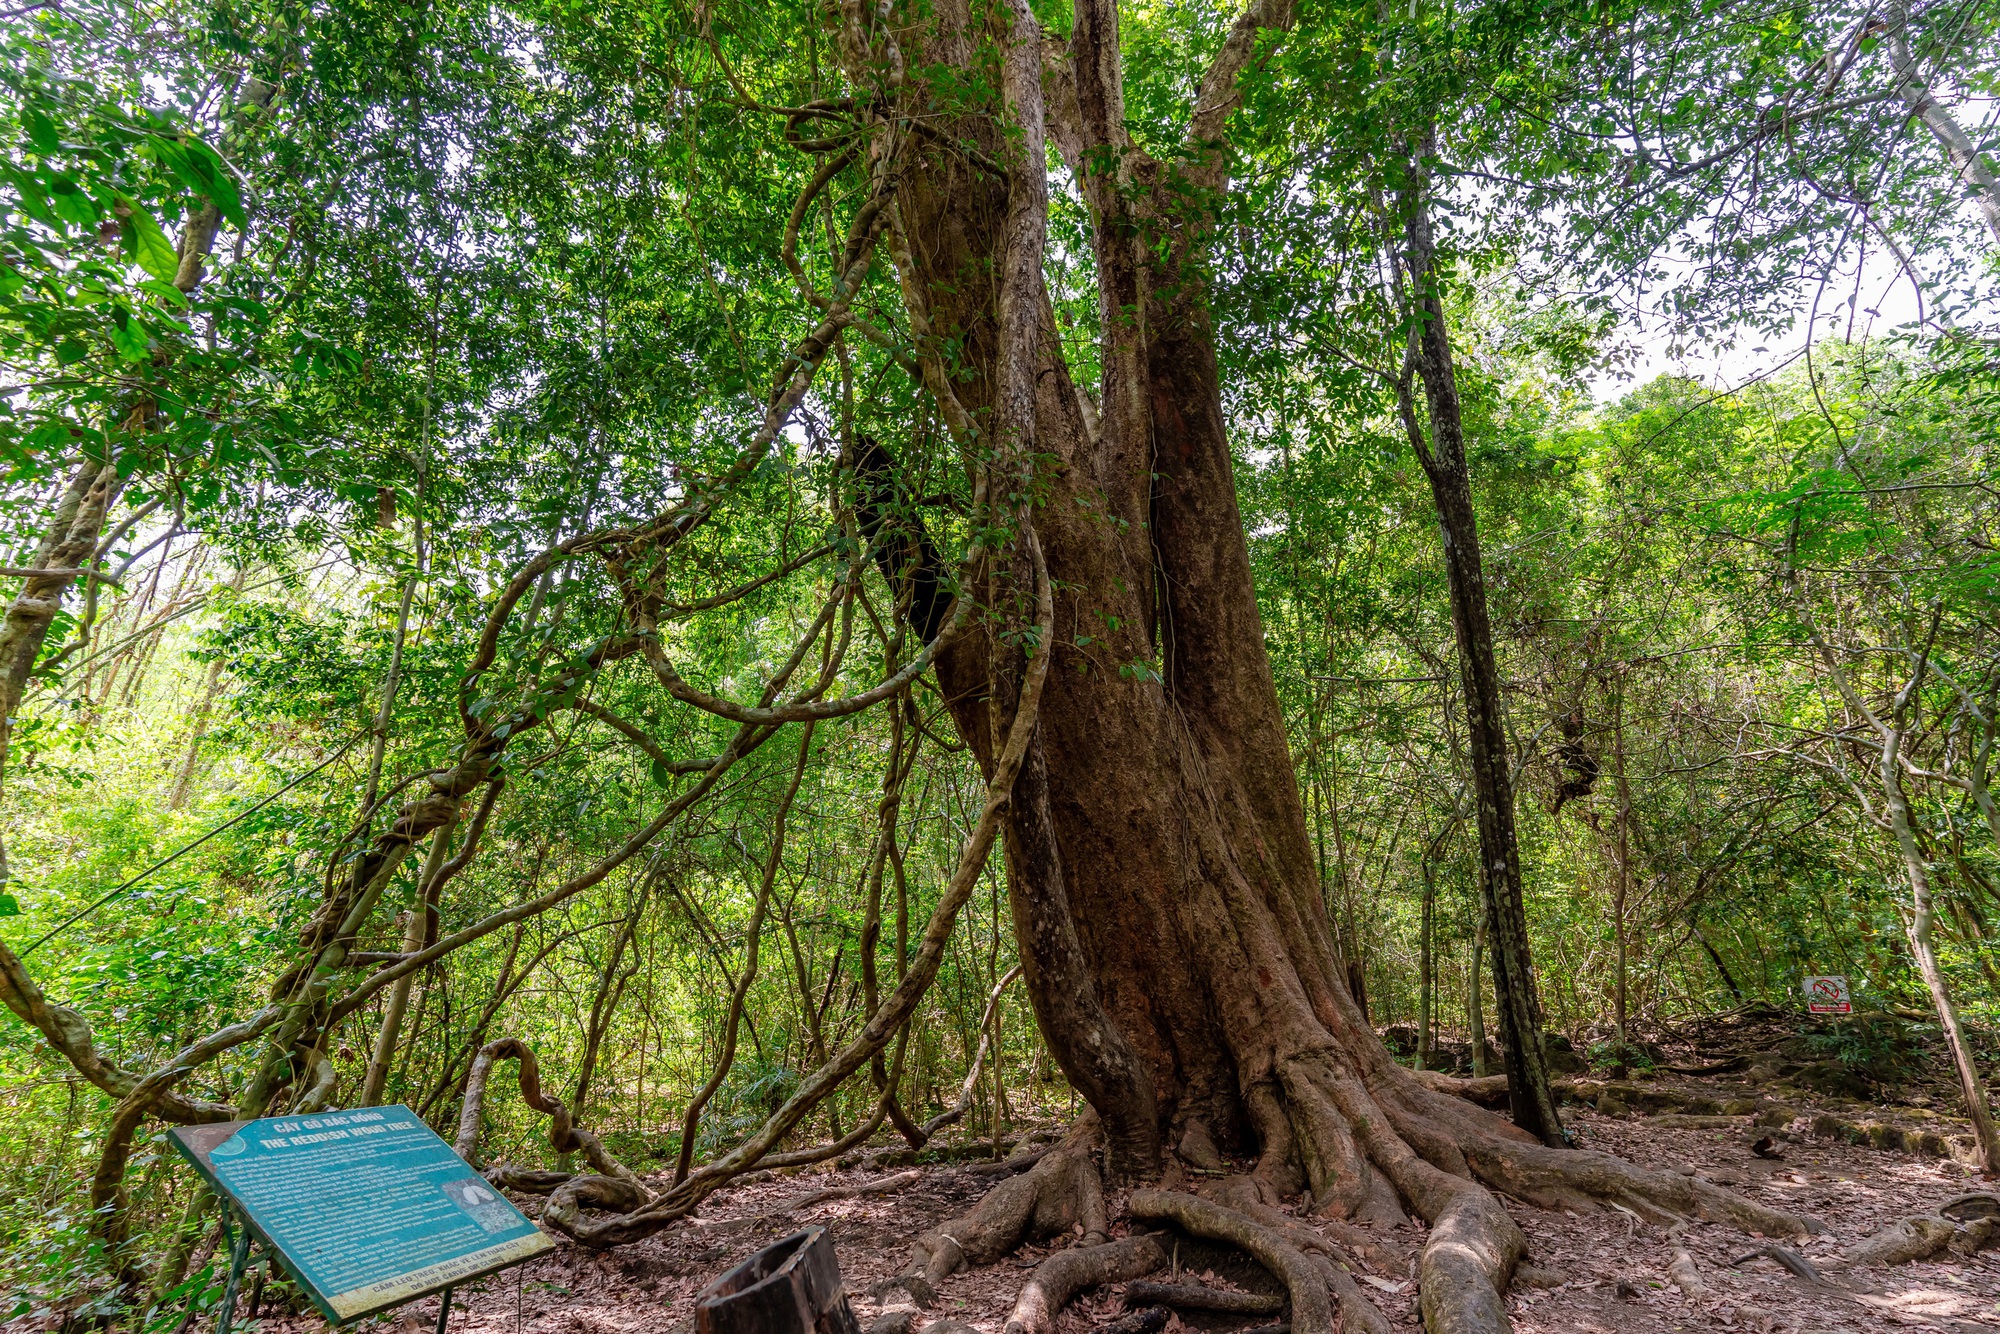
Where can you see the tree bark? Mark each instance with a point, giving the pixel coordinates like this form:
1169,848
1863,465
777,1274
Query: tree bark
1621,889
390,1034
1426,985
1920,921
69,541
1173,938
1970,165
1172,935
1444,462
1174,942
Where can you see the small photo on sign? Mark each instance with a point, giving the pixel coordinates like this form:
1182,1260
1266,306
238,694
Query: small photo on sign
1828,994
492,1213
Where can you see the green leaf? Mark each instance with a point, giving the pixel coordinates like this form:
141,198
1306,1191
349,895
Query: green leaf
42,134
71,204
128,336
661,774
34,201
9,906
166,292
148,245
202,170
217,184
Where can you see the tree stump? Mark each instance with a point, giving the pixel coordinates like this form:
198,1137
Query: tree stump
791,1286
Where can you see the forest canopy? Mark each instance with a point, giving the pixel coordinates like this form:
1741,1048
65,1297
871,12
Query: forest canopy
1193,580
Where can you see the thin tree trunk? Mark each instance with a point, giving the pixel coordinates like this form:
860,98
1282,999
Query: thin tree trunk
392,679
1966,160
1622,885
69,541
1425,963
1891,732
1475,998
210,688
452,1080
887,858
1722,969
809,1009
1921,919
691,1120
977,1067
610,990
148,643
999,1084
138,610
1444,462
390,1034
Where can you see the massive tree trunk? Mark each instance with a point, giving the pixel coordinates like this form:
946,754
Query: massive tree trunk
1174,939
1172,930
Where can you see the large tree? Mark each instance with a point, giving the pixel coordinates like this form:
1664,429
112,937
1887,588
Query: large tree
1103,658
1166,903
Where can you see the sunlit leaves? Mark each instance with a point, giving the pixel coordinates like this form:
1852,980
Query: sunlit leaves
145,242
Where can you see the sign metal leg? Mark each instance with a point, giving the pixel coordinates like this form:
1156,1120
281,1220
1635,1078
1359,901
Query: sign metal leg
444,1310
239,1257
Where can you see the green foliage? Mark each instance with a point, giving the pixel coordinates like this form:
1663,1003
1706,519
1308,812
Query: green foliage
1879,1047
486,278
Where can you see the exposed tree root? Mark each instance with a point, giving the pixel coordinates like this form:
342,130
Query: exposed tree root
1565,1178
1686,1276
1978,1235
1784,1258
1357,1313
1367,1146
1971,1205
1060,1193
610,1194
1485,1090
1331,1237
1197,1297
1916,1238
1473,1245
1149,1321
1467,1261
886,1186
1304,1278
1013,1163
525,1180
1442,1152
1066,1273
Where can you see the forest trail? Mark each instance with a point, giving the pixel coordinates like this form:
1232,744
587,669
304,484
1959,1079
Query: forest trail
1586,1273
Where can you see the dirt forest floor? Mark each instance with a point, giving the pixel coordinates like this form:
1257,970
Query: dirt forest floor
649,1288
1606,1271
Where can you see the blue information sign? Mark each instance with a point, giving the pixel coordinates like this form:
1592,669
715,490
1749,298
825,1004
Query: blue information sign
367,1209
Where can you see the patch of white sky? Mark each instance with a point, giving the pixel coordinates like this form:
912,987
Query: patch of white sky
1871,295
